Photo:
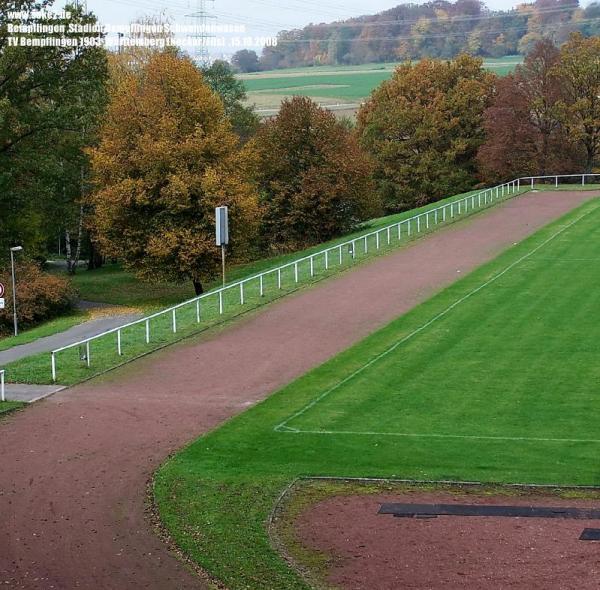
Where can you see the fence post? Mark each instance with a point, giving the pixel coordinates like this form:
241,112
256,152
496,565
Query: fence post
87,353
353,249
312,266
556,181
326,259
435,216
532,182
427,220
296,272
518,184
2,396
197,311
377,240
174,323
583,180
399,230
389,237
279,278
119,343
262,290
341,255
444,213
366,245
418,224
242,293
409,227
53,363
221,302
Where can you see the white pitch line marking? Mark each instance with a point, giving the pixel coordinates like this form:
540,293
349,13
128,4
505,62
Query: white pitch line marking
282,427
433,435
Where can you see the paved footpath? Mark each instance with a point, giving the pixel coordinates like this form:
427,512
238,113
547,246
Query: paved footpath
74,467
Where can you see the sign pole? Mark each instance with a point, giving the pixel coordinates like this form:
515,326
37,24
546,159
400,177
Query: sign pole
223,261
222,233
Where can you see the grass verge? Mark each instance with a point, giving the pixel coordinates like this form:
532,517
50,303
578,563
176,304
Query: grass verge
500,387
6,407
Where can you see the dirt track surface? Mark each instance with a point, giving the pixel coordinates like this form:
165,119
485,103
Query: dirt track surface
73,468
371,550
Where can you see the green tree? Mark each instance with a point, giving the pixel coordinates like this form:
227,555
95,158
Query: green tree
246,60
580,72
423,128
219,76
314,182
50,99
167,156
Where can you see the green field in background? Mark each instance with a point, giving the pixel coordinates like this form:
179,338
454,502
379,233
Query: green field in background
342,83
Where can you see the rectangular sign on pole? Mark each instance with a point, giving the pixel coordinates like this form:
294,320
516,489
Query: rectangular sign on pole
222,226
1,303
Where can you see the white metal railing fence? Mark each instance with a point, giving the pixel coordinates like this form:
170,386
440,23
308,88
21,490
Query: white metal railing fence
2,396
337,254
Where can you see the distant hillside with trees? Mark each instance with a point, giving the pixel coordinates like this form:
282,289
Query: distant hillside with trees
437,29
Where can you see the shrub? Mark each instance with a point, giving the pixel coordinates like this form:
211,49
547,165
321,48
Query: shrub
40,296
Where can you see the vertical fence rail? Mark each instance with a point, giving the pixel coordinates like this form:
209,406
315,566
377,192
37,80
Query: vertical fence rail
422,222
2,393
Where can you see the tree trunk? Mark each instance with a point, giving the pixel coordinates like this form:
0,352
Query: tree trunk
68,249
198,288
589,165
79,239
96,260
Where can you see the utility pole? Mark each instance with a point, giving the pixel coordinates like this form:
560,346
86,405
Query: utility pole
14,286
200,18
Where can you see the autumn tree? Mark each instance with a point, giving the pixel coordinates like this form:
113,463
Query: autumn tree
525,125
313,180
423,128
167,156
580,72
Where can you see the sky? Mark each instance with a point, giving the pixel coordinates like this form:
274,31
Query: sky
261,18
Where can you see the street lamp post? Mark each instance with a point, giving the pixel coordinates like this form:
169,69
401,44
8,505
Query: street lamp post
14,286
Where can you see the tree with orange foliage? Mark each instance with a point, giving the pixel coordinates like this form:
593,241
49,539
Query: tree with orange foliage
167,156
313,179
423,127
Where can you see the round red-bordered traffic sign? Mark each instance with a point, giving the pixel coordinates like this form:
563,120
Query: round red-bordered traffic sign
1,290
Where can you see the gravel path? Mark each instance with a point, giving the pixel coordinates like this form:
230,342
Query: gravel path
74,467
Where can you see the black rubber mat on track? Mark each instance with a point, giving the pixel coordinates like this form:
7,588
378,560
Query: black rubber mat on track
590,535
432,510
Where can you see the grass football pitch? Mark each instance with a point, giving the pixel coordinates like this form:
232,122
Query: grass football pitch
494,379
